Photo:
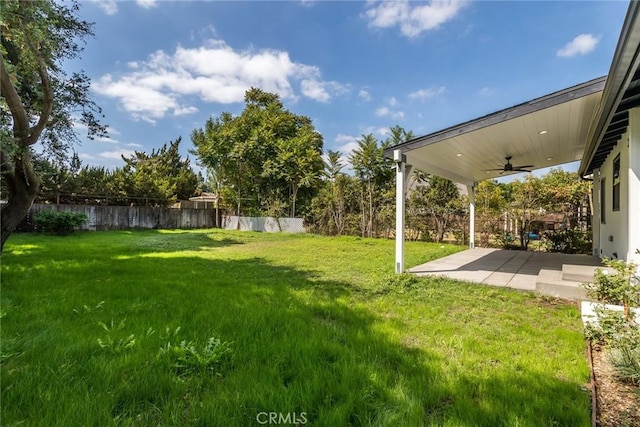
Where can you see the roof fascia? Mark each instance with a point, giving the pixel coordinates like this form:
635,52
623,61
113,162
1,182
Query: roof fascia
623,66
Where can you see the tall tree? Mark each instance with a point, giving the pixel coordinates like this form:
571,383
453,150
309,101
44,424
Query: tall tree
38,98
367,163
266,156
163,175
526,205
440,199
490,206
565,193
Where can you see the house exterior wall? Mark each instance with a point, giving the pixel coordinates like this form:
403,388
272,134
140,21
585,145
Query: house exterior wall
634,186
618,236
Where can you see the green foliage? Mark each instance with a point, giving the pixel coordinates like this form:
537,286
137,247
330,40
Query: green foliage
620,287
565,193
626,361
40,102
113,344
186,358
162,175
568,241
263,158
57,222
618,329
437,200
400,283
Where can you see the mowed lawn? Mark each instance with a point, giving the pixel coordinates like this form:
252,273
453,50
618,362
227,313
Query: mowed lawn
319,330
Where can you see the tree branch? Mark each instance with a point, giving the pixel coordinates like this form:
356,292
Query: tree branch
18,112
47,108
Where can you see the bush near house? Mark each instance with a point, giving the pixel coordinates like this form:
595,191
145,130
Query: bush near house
618,330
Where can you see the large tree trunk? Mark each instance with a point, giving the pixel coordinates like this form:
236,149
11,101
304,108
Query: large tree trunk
22,188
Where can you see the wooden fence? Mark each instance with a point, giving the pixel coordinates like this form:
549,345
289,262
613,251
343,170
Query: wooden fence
127,217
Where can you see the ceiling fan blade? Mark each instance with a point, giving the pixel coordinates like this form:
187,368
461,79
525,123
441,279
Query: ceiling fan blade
490,170
520,170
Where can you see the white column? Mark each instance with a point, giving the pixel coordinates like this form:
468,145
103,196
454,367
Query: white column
472,215
633,227
400,160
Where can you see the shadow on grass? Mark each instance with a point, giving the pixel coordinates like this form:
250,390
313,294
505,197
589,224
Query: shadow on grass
300,346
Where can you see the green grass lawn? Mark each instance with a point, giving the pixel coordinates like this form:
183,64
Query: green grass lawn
317,326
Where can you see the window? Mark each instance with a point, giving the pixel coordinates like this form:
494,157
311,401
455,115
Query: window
603,198
616,183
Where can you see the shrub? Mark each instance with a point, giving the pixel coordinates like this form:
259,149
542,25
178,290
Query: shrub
568,241
620,288
626,361
59,222
618,330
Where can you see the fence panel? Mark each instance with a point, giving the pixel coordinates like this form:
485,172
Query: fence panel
263,224
125,217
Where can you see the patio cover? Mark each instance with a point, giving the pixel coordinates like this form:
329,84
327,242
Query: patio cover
543,132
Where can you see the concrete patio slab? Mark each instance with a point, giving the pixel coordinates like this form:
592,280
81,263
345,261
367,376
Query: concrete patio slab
497,267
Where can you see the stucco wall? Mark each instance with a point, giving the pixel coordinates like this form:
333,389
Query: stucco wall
619,235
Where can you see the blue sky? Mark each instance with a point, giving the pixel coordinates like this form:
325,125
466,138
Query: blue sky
160,68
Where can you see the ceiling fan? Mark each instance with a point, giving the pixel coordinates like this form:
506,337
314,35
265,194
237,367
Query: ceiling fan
508,167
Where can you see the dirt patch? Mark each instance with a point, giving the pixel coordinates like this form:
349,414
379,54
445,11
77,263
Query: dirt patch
618,402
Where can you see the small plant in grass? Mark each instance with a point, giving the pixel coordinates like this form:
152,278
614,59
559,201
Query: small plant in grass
617,330
115,345
57,222
187,358
87,309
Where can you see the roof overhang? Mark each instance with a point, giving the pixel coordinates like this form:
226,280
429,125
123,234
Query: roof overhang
621,93
543,132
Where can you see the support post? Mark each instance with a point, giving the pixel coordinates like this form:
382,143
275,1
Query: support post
400,161
472,215
633,188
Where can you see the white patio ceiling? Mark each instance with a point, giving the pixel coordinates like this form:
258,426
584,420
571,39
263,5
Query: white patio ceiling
546,131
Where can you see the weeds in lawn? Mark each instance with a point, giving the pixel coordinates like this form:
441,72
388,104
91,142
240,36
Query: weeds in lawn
87,309
187,358
116,345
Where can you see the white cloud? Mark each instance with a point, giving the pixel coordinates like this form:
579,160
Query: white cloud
382,131
580,45
112,131
86,156
423,94
314,90
486,91
134,145
413,19
106,139
344,139
116,154
346,145
393,101
146,4
183,111
364,95
386,112
110,7
321,90
214,73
